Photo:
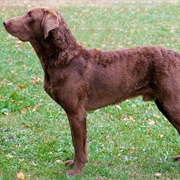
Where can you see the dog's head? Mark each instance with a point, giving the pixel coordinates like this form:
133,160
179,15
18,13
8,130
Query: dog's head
36,23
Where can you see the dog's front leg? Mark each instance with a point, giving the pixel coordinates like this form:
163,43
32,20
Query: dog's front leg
77,123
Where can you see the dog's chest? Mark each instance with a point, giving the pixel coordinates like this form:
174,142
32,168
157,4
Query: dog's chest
48,87
53,79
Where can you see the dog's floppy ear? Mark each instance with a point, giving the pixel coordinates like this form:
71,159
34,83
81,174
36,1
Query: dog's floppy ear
50,21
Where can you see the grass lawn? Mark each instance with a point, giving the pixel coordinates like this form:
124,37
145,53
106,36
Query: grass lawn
131,140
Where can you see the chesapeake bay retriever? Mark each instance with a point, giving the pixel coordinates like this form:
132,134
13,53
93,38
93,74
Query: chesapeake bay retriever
81,79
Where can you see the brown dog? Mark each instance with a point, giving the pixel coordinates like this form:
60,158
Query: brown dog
82,79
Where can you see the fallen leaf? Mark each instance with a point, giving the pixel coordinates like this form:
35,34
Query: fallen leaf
20,102
151,122
20,175
170,177
25,126
35,107
12,148
110,164
59,161
121,147
13,71
18,42
132,31
122,10
133,105
34,164
5,113
157,116
24,66
159,175
9,156
118,107
23,111
101,178
160,135
132,151
131,118
36,80
19,145
21,86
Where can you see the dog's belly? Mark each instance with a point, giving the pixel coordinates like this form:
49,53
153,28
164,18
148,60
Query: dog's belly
94,104
115,93
100,99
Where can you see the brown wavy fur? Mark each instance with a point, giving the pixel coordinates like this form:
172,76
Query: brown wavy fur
81,79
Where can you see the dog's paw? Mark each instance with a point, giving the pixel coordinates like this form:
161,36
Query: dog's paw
69,163
177,158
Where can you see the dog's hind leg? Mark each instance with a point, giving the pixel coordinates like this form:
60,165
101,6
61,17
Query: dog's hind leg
165,113
172,114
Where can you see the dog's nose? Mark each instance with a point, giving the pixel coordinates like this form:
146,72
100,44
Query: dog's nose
6,22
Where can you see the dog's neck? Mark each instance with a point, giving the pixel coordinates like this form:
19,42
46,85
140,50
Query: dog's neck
57,47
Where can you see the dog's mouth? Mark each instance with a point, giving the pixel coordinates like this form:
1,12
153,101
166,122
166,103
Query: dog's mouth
7,24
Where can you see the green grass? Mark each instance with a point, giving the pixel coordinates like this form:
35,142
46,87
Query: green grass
122,144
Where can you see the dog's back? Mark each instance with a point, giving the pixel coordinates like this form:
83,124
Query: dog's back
122,74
